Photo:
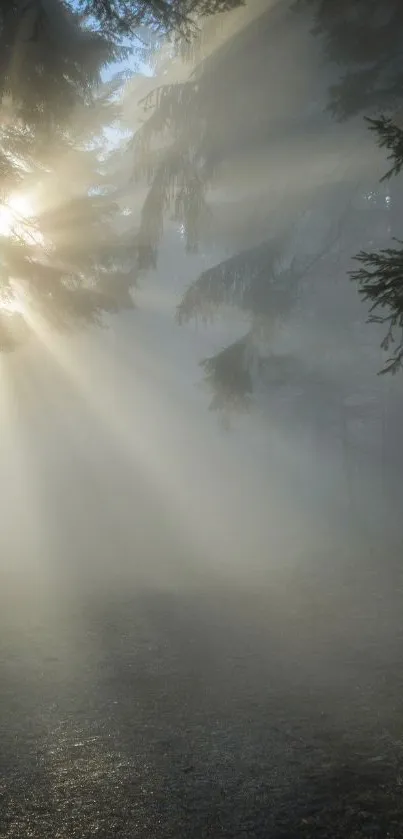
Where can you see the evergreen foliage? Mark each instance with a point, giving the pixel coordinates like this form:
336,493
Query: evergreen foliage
122,17
380,275
363,39
390,137
380,282
68,257
228,376
168,152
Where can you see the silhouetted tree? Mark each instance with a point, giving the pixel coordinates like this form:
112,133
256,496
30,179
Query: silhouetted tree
54,109
122,17
184,138
363,39
68,256
380,276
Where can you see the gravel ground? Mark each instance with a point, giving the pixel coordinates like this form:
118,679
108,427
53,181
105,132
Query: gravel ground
204,714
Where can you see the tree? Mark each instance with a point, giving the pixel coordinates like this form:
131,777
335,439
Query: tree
362,45
68,259
255,282
54,106
180,148
58,239
122,17
184,140
380,277
364,38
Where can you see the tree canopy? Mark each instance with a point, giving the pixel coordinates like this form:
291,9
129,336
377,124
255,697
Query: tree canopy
72,254
62,243
380,275
361,50
362,38
120,17
56,205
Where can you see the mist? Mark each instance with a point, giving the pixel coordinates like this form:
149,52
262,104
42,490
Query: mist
200,610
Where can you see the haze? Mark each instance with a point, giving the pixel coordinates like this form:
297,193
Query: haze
200,611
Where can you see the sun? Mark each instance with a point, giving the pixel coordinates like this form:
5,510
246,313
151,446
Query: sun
14,213
15,216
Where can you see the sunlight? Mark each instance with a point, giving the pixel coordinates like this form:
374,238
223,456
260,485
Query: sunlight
6,220
21,205
13,302
17,217
17,210
29,544
12,307
15,221
163,453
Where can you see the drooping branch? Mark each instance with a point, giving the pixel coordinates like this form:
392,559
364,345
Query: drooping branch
177,186
363,39
123,17
390,137
380,282
235,281
229,377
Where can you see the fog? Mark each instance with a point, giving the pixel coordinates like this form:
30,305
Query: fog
198,605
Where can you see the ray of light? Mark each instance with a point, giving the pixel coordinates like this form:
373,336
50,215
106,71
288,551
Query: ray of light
203,485
28,574
17,210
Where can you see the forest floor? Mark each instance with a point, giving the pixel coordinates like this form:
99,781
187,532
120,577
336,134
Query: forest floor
273,711
276,715
202,715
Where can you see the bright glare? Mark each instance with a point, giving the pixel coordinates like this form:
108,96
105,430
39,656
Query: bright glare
17,211
14,301
6,220
12,307
15,216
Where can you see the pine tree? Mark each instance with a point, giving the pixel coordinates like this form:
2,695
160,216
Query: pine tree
122,17
177,168
363,40
380,277
68,259
49,69
254,283
55,257
178,149
181,143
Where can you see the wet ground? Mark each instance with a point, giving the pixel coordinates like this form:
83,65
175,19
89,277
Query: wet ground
203,714
174,661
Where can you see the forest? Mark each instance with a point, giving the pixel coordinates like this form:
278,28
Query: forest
155,77
201,360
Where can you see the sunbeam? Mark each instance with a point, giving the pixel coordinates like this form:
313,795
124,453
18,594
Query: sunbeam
200,548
